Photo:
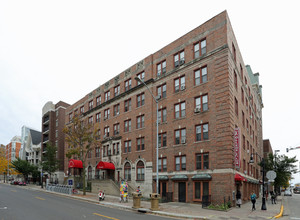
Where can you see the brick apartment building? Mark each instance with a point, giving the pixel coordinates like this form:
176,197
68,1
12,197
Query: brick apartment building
53,122
210,109
13,148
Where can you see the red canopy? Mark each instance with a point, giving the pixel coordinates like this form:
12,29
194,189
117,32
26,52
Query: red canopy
105,166
75,164
238,177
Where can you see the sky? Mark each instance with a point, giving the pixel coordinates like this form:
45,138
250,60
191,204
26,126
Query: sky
62,50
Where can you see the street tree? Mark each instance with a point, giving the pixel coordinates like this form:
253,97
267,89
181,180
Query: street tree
50,163
6,167
81,138
23,167
284,167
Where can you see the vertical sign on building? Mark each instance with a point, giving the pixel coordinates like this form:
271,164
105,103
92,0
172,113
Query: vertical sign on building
237,150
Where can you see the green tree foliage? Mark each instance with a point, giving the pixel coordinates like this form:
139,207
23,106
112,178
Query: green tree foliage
284,168
24,167
81,138
50,163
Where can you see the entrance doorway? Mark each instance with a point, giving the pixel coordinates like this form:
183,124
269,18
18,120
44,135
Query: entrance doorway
181,192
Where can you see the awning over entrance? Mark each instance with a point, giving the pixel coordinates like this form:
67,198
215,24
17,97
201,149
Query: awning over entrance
161,177
202,176
75,164
105,166
179,177
238,177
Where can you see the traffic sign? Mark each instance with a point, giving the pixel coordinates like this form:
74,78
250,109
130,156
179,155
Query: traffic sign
271,175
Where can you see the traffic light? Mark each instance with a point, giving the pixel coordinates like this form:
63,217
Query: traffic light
287,150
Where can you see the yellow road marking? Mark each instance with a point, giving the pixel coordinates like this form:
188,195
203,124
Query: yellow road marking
39,198
13,190
105,216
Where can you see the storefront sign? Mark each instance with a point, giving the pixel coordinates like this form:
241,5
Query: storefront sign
237,150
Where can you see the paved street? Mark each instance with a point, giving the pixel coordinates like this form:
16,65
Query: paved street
19,203
292,210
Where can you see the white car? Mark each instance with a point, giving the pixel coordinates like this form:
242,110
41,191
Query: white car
287,193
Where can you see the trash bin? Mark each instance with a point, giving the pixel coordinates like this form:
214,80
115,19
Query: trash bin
154,201
136,200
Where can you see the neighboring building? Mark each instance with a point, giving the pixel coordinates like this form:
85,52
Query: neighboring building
32,145
13,148
210,121
267,148
53,122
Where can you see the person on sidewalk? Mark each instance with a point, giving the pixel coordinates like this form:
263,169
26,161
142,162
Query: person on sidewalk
253,200
238,198
273,197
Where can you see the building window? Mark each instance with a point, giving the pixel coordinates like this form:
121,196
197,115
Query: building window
202,161
179,84
162,140
236,106
98,100
234,52
140,100
201,103
116,129
89,173
116,109
97,152
127,171
91,120
98,117
89,154
91,104
161,68
127,105
243,118
162,91
179,59
140,144
106,131
107,96
235,80
200,76
201,188
162,115
106,114
200,48
202,132
98,134
82,109
127,146
180,163
140,171
180,136
243,95
180,110
162,164
141,76
140,121
127,125
127,84
70,117
244,142
117,90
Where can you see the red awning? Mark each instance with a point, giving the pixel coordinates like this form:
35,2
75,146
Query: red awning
75,164
105,166
238,177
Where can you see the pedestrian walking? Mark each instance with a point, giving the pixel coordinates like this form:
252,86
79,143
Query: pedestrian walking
273,197
238,198
253,200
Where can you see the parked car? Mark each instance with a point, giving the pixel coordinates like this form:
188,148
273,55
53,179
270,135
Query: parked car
287,193
21,183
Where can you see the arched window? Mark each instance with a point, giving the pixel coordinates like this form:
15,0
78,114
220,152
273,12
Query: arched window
89,173
140,175
127,171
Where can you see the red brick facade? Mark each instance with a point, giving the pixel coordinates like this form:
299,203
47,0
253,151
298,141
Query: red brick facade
193,105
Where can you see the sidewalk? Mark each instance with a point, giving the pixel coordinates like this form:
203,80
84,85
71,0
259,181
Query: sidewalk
183,210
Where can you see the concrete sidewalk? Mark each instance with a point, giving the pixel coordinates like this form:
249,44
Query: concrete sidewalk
182,210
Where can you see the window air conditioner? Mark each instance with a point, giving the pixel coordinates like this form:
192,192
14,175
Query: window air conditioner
183,141
197,110
181,62
182,87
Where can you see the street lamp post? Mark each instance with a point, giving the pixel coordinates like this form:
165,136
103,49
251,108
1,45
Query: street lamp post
156,100
263,205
